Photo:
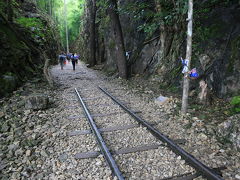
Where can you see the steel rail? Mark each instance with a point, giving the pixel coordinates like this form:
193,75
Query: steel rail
192,161
105,151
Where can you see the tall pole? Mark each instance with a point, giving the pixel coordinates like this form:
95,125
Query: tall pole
65,14
188,57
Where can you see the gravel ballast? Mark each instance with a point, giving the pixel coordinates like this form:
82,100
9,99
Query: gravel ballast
35,144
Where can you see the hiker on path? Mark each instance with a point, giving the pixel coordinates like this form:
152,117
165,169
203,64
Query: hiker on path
61,59
74,59
77,57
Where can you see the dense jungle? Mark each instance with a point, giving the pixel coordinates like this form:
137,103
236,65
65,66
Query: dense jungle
140,44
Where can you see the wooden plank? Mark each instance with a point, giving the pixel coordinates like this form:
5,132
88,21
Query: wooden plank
86,155
108,129
97,115
76,117
95,154
80,132
107,114
180,141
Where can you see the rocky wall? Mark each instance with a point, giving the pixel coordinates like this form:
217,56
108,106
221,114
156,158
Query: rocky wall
216,45
23,41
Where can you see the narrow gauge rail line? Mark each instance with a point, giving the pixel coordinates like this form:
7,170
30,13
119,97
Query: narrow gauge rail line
192,161
102,144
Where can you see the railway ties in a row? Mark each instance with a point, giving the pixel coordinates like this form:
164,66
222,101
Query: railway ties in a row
109,153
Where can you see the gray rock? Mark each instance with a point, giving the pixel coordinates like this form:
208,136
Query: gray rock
37,102
9,83
2,114
237,176
229,131
13,146
205,61
28,152
2,165
19,152
63,157
44,153
25,174
5,127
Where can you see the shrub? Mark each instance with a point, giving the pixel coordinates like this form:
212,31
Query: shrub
34,23
235,102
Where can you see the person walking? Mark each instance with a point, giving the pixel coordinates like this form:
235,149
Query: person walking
73,59
76,56
61,59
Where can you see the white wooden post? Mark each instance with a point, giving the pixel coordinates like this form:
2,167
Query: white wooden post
188,56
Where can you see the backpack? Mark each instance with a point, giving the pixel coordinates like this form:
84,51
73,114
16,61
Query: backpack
61,58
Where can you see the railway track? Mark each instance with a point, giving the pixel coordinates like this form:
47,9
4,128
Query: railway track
123,138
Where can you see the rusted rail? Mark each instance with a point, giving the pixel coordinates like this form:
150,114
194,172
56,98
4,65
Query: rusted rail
192,161
104,149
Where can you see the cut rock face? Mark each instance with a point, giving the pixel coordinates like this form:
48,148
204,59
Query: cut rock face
37,102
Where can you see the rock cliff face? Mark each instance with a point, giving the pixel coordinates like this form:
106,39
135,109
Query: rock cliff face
25,35
216,46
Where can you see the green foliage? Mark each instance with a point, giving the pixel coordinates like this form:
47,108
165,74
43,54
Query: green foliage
29,22
2,5
148,28
219,2
162,12
235,102
34,23
102,4
55,8
205,33
75,9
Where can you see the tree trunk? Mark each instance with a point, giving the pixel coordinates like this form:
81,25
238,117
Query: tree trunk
49,7
188,56
119,42
204,92
46,70
98,61
92,38
65,16
162,30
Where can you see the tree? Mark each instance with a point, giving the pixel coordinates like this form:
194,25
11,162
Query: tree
65,15
50,7
92,40
162,29
119,44
188,56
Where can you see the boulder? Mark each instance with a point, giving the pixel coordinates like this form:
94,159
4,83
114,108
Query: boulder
37,102
229,131
8,83
5,127
205,61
